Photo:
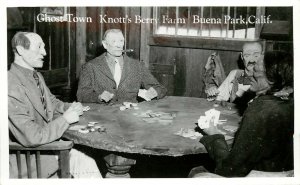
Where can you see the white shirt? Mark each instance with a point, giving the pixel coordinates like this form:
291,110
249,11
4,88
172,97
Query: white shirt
225,88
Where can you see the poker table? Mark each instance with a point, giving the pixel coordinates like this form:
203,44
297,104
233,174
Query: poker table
127,133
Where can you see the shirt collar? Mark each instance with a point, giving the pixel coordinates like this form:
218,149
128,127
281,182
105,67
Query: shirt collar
111,59
25,71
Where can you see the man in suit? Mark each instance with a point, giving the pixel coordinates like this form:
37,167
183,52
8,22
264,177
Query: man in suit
114,77
35,116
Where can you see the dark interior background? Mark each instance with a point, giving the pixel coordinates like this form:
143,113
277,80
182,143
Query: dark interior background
176,62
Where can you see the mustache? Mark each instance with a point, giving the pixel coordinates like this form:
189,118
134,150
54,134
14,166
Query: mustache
251,63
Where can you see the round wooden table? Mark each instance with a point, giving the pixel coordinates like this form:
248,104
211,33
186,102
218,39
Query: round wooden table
125,132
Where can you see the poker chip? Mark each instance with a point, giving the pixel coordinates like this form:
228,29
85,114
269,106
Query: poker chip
84,131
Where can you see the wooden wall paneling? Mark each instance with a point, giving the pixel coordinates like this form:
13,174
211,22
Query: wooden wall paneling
190,63
258,27
133,33
53,41
64,43
196,42
163,58
181,72
56,77
57,46
92,33
100,26
231,60
196,60
56,74
72,62
145,34
80,40
114,12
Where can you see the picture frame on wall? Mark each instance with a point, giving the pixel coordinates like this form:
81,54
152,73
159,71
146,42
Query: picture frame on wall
54,13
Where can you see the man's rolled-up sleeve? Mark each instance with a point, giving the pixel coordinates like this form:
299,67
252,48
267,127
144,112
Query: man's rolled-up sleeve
226,87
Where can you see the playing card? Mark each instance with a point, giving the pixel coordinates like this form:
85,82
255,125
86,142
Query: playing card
84,131
213,115
230,128
142,94
188,133
76,127
86,108
122,108
203,122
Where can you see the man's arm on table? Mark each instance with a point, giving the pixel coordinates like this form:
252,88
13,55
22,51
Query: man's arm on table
245,153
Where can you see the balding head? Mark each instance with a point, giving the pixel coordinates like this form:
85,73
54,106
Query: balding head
252,54
20,39
29,49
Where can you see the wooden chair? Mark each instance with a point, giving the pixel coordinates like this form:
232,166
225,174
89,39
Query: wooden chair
63,148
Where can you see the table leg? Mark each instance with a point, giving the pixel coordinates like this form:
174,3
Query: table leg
118,166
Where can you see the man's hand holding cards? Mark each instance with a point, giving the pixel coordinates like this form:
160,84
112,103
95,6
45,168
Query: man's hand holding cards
106,96
148,95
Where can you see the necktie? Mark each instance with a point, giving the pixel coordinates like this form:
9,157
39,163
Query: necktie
37,80
117,74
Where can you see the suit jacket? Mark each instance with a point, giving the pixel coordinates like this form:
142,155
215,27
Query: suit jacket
29,123
96,77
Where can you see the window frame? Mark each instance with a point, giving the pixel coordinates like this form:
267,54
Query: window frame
202,42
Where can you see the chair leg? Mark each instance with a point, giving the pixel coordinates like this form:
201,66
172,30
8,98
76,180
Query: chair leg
64,164
28,162
38,164
19,164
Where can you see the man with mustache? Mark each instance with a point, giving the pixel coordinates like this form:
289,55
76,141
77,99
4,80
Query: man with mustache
263,144
239,81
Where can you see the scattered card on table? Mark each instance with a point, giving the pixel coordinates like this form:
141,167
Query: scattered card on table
229,112
188,133
86,108
227,137
230,128
77,127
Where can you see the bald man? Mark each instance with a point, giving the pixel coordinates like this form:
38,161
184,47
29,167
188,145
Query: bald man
239,81
35,116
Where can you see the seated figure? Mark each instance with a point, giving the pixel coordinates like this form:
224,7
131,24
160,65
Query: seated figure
35,116
236,87
113,77
264,140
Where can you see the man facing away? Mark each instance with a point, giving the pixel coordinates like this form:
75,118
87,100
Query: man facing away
35,116
114,77
237,84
